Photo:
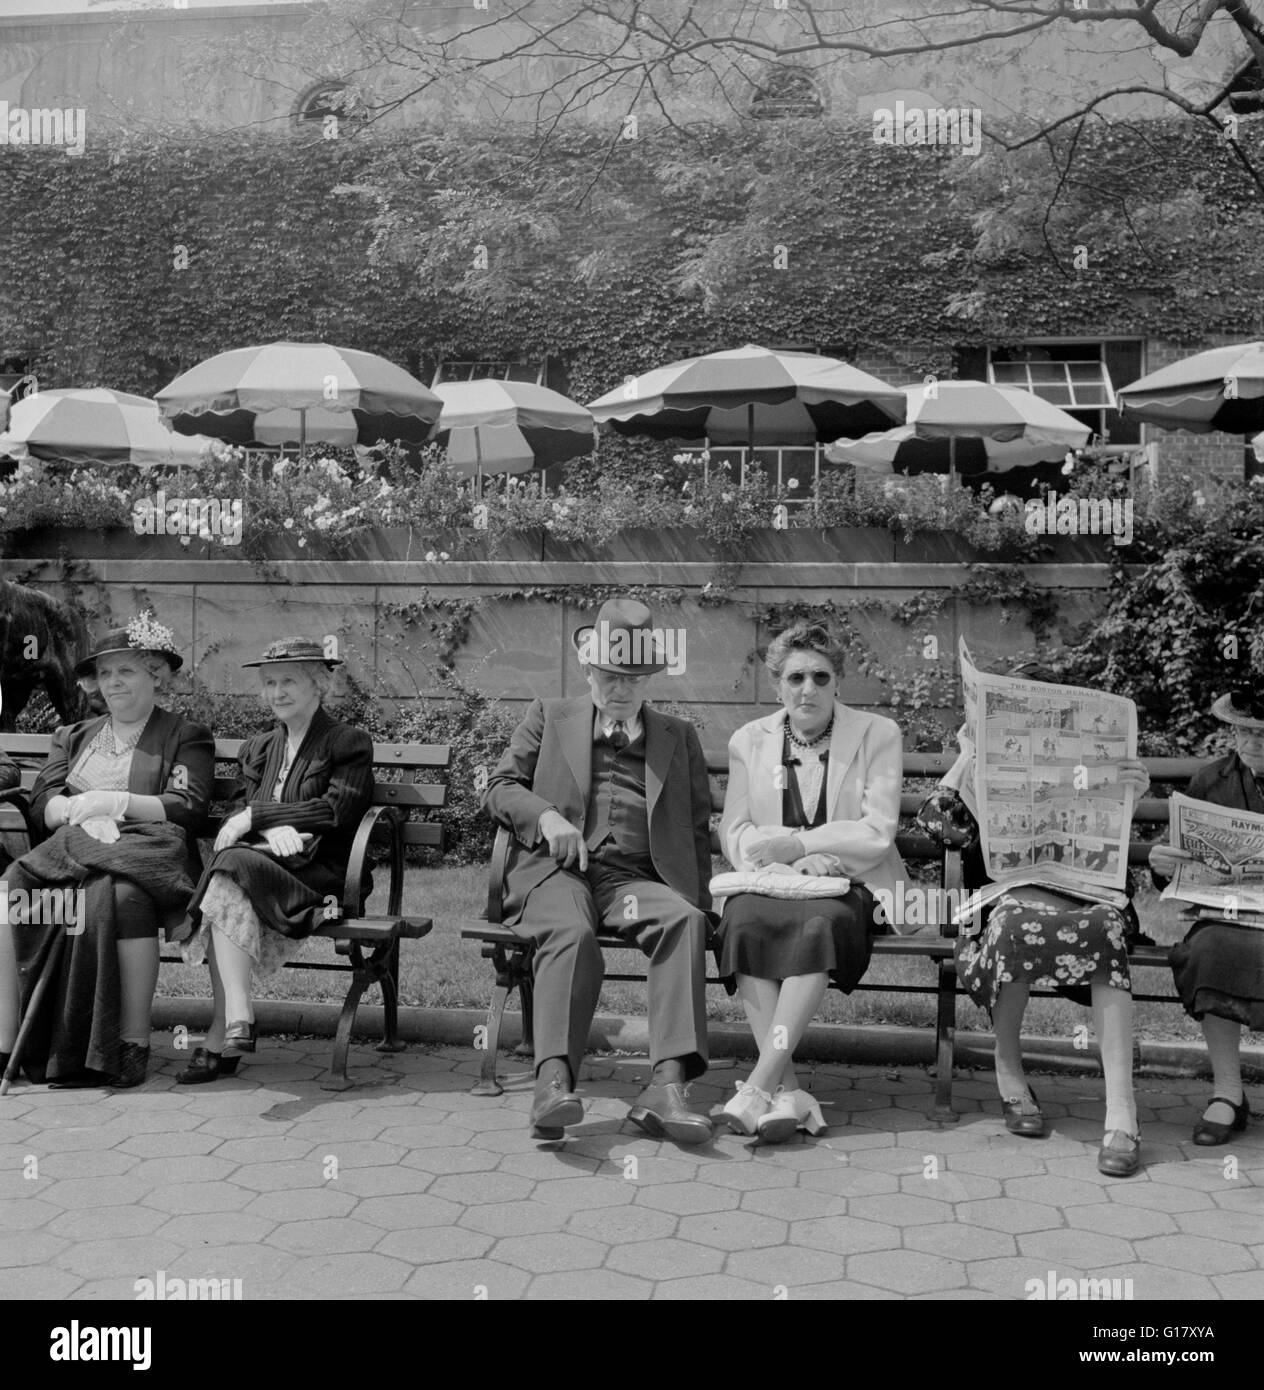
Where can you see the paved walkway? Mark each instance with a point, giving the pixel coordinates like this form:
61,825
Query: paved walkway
408,1186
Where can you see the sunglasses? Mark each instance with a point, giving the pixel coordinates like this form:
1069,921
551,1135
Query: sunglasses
818,678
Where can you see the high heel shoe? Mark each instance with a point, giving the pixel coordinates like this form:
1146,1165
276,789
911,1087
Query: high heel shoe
240,1037
790,1112
1209,1132
1030,1124
205,1066
744,1111
1118,1159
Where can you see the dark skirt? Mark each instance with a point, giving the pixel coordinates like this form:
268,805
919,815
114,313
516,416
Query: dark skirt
290,901
1219,969
1038,938
774,938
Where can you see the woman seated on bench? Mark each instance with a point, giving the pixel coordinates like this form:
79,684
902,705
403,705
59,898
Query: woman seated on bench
1037,938
1219,969
280,863
816,787
120,797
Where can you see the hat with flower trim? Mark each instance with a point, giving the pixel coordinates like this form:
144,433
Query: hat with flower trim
294,649
143,634
1242,707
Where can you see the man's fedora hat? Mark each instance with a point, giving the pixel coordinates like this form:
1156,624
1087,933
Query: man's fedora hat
1241,707
622,641
294,649
142,634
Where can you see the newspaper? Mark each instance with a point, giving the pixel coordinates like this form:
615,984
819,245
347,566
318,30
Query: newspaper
1051,808
1220,867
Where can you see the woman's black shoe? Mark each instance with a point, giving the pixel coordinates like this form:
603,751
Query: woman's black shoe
1209,1132
206,1066
133,1066
82,1080
240,1037
1030,1124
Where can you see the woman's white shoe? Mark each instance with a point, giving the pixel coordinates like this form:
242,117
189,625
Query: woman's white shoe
790,1112
743,1112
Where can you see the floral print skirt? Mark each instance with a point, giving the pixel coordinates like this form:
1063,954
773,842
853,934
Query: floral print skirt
1036,938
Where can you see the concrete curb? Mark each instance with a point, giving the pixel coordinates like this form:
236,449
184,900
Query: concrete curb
871,1045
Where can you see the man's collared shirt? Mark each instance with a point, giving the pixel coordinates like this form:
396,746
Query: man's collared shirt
604,725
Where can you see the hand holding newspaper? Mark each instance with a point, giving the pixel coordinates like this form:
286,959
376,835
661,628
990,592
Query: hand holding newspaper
1040,763
1220,860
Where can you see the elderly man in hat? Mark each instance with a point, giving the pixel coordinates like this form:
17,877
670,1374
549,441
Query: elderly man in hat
609,806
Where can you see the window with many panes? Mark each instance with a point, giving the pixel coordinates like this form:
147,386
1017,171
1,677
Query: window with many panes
472,369
1078,377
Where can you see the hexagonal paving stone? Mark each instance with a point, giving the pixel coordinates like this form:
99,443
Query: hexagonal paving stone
710,1288
793,1203
1237,1227
1151,1281
34,1282
137,1256
621,1225
29,1248
898,1209
95,1192
1194,1253
280,1176
687,1198
1117,1219
192,1198
403,1211
1009,1214
665,1259
732,1230
87,1164
843,1290
277,1149
543,1254
843,1235
1249,1285
1009,1277
306,1204
171,1145
426,1136
848,1181
86,1224
604,1284
584,1192
513,1218
331,1237
1054,1192
357,1153
217,1228
435,1244
1086,1249
467,1279
461,1159
27,1214
957,1241
989,1163
1159,1196
785,1267
948,1186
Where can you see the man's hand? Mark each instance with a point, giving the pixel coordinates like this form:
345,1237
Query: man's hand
566,844
776,849
233,829
283,840
824,865
1164,859
1132,773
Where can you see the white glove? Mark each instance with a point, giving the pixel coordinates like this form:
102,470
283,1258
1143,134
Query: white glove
283,840
101,828
110,805
818,865
233,829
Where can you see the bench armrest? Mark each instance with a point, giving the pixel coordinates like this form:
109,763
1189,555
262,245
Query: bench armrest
496,877
23,806
355,864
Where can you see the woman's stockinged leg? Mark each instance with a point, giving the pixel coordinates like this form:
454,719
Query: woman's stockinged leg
233,966
219,1018
138,980
8,989
797,1002
1112,1020
759,999
1224,1051
1007,1024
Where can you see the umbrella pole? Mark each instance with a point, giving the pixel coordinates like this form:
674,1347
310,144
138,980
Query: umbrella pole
952,458
302,434
478,462
750,437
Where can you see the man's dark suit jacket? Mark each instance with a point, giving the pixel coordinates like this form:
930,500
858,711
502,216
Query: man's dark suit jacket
548,766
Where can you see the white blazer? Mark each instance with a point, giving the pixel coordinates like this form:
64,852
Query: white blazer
862,795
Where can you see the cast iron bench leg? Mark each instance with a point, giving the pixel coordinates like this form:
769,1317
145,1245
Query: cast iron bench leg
945,1029
526,997
337,1079
390,1002
488,1084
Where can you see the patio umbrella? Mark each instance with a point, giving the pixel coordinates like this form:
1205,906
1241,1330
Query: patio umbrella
95,425
751,395
510,426
967,425
1222,389
288,393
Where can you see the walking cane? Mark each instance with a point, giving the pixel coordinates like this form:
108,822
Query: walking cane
46,963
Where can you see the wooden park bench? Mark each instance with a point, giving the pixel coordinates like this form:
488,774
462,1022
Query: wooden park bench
511,956
369,941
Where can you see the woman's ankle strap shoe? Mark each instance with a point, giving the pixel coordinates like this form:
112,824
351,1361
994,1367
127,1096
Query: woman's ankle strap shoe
1120,1154
240,1037
1209,1132
206,1066
1029,1122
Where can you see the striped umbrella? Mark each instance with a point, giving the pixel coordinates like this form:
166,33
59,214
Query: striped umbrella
751,395
510,426
94,425
289,393
968,425
1222,389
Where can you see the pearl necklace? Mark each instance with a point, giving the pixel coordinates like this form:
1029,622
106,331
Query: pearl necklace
809,744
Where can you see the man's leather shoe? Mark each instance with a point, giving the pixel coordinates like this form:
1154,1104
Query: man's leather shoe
555,1107
661,1110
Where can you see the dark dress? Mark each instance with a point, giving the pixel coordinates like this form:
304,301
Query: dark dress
327,792
775,938
1033,936
1219,967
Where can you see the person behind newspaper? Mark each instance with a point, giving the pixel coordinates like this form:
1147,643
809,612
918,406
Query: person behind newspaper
1035,937
1219,967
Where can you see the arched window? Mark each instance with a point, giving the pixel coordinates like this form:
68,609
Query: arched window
330,98
788,94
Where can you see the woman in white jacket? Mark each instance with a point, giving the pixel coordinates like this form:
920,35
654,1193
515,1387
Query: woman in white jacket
813,789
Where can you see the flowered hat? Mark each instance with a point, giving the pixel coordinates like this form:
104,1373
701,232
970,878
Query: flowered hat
294,649
142,634
1241,707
